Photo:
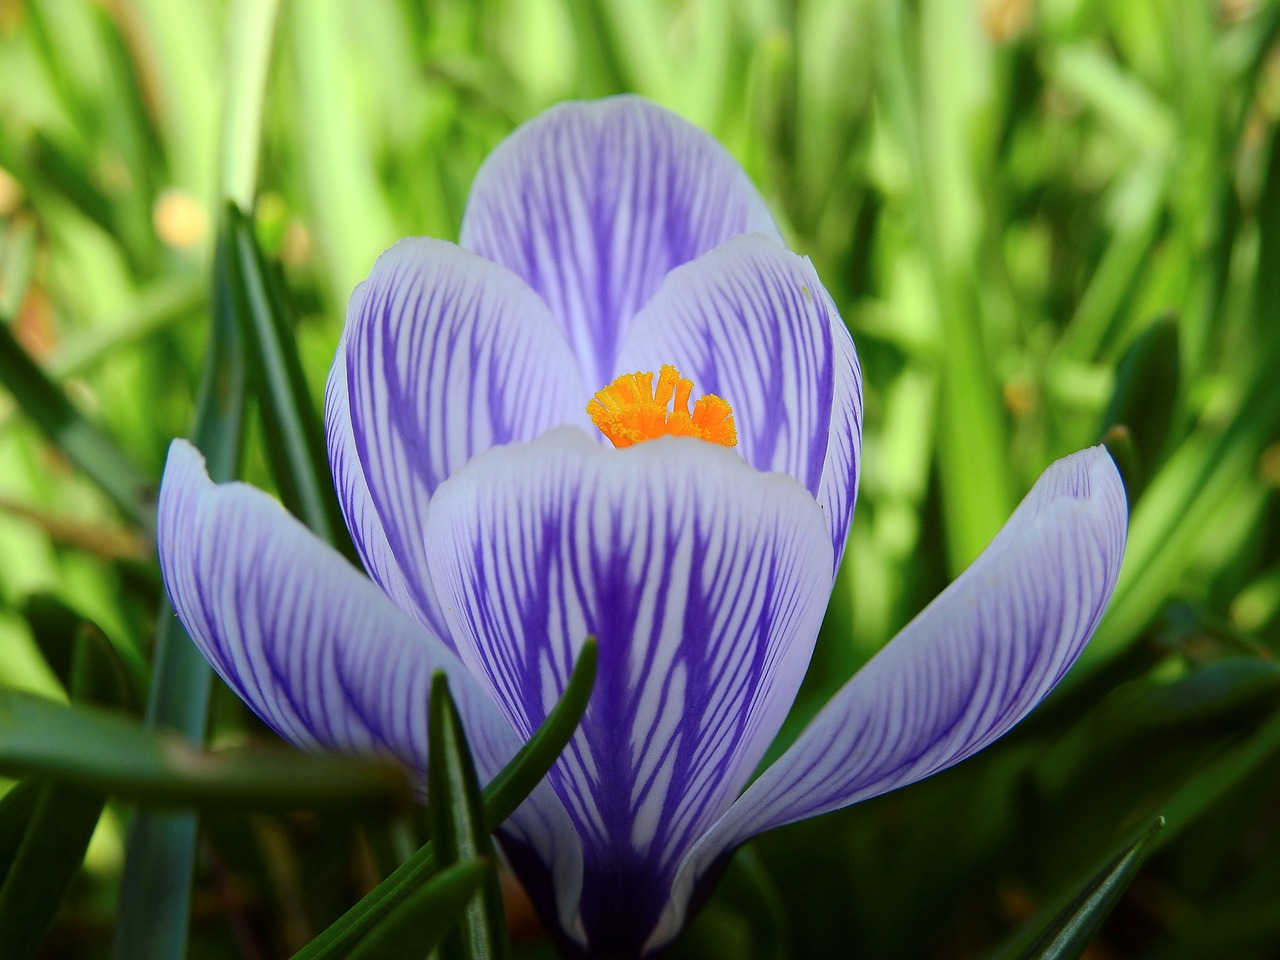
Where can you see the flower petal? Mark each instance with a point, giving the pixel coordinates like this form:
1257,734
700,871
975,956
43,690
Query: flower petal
444,355
593,203
961,674
308,642
750,322
705,582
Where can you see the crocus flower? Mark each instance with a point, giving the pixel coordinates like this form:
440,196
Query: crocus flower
603,244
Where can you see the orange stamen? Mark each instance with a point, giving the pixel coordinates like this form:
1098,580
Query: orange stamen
631,410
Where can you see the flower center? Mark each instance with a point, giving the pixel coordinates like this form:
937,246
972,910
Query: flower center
631,410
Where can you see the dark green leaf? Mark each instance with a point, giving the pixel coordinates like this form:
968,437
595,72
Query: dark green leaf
503,794
108,752
57,630
64,816
426,916
46,862
155,888
84,444
1067,935
16,809
1145,397
517,779
458,829
295,445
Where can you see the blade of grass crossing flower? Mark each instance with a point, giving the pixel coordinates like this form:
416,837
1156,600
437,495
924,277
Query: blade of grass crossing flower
458,829
112,754
84,444
155,889
425,917
295,438
1067,935
64,816
517,779
501,797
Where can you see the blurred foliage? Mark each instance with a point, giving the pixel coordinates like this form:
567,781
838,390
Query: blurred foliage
1045,223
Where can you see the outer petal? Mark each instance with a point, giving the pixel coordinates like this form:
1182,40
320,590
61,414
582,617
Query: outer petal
751,322
444,355
961,674
593,203
309,643
705,582
318,652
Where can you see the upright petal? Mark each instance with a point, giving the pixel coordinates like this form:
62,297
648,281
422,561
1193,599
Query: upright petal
705,582
751,322
444,355
308,642
961,674
593,203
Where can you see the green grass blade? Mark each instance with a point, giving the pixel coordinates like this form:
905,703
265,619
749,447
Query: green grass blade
458,829
1070,932
64,816
113,754
425,917
501,797
85,445
155,889
517,779
47,861
16,810
295,444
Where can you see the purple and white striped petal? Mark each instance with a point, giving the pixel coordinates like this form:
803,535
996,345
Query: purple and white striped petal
444,355
751,322
308,642
705,582
593,203
961,674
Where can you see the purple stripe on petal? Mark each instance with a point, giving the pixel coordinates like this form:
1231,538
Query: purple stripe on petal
444,355
593,203
750,322
705,582
961,674
357,506
309,643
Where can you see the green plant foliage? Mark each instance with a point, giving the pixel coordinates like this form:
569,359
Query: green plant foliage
1046,224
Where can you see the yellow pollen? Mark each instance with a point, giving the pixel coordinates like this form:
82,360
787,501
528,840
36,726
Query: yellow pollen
631,410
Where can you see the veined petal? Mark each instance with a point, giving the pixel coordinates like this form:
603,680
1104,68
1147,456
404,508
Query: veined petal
705,582
365,526
309,643
444,355
961,674
593,203
751,322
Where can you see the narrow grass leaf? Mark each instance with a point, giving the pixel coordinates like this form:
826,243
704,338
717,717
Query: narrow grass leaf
426,916
1069,933
64,816
517,779
111,753
295,445
155,889
16,809
84,444
458,829
501,797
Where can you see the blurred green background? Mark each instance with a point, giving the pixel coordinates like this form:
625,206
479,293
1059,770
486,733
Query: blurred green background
1045,223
